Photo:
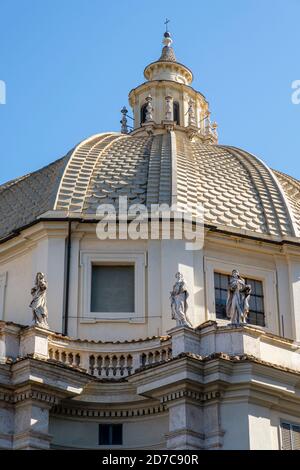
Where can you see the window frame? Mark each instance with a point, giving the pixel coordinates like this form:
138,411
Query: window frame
90,258
266,276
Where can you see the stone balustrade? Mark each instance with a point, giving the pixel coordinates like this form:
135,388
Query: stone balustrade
121,359
109,360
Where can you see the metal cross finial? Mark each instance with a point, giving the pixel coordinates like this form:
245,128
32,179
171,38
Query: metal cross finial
166,23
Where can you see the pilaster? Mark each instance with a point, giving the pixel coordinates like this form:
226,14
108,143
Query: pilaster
185,420
31,424
34,341
6,422
184,340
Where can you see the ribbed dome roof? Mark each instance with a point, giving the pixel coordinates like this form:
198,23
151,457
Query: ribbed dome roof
238,190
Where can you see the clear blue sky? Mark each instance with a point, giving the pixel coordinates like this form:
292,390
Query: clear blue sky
69,65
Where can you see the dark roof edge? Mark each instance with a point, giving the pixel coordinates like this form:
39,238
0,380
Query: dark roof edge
212,228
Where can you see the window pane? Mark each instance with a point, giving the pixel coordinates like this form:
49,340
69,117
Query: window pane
176,112
104,434
296,437
223,296
224,281
255,318
143,113
112,289
258,288
260,318
117,435
110,434
252,303
259,304
286,436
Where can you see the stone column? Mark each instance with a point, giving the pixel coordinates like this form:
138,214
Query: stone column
6,422
194,420
284,297
294,281
34,341
185,421
31,422
212,429
50,259
175,257
184,340
74,285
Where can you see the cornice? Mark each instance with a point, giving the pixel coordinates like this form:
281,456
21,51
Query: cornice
22,241
177,66
166,83
28,237
67,410
154,372
201,397
36,395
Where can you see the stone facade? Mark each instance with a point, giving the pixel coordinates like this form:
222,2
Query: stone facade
208,386
201,388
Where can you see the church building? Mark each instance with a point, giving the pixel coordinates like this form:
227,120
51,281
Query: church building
111,341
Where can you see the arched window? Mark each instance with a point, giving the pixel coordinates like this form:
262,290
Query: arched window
143,113
176,117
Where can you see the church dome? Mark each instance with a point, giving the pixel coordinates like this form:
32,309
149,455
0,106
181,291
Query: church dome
238,191
171,156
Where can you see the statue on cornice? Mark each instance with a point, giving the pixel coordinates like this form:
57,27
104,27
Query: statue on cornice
149,109
179,303
39,302
237,305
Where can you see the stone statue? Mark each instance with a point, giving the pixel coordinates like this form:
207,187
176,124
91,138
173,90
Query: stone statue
39,303
214,129
169,108
191,113
149,109
237,306
179,303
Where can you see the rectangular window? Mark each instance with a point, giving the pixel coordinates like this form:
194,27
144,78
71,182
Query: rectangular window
290,436
110,434
256,313
112,288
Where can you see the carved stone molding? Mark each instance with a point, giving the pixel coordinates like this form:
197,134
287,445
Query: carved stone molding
168,125
192,394
185,432
192,133
17,397
7,397
101,413
37,395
